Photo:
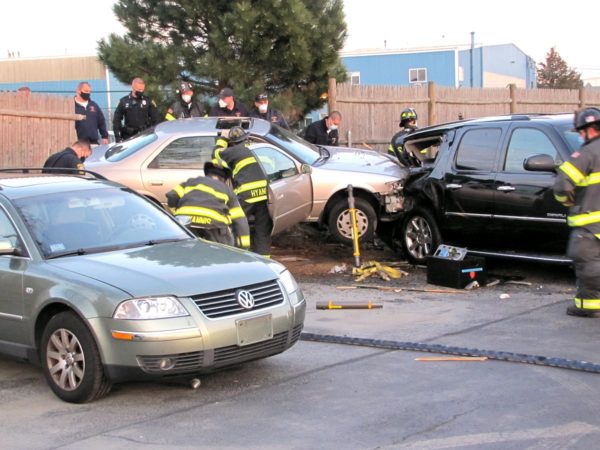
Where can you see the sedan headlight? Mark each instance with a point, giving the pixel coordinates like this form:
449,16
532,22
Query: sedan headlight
288,281
150,308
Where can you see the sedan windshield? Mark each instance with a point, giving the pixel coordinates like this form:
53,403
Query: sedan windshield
123,149
296,146
94,221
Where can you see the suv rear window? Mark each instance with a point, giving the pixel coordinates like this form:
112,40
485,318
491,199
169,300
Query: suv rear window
477,149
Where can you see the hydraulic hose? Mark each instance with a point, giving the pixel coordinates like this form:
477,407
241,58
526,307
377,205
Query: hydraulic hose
561,363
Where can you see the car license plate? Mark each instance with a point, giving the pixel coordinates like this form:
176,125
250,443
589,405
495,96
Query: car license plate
256,329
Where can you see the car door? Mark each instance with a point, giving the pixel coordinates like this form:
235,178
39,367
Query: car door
524,204
177,160
468,187
12,269
290,186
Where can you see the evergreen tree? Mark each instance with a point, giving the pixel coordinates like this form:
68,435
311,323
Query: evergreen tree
284,47
555,73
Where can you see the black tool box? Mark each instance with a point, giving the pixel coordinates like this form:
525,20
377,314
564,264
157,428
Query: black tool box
455,273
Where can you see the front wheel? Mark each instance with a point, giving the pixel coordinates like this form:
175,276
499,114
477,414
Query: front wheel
71,361
340,220
419,235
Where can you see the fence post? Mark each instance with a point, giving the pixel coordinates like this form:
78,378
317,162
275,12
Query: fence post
581,97
513,97
431,104
331,95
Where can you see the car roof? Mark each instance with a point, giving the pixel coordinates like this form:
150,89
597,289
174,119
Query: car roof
255,126
437,129
18,185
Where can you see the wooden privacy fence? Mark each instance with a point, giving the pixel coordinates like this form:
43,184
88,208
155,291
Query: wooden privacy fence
33,126
371,113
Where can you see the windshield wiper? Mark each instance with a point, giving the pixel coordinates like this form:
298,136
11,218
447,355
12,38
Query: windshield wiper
162,241
323,153
78,252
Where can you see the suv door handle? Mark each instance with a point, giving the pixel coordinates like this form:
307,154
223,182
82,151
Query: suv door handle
453,186
506,188
156,182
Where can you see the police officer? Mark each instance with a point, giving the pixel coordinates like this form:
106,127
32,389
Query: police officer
577,186
408,124
135,112
250,185
324,131
186,106
261,110
70,158
213,208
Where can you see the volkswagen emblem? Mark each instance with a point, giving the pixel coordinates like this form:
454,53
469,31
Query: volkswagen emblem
245,299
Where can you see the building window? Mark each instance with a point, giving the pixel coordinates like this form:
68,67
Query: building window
354,77
417,75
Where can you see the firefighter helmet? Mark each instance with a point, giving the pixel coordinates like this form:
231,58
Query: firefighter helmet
211,169
237,134
184,87
586,117
407,115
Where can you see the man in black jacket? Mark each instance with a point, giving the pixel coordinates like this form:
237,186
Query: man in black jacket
135,112
324,131
185,106
228,106
261,110
94,122
70,158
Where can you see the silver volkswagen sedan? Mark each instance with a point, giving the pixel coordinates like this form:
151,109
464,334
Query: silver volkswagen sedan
306,182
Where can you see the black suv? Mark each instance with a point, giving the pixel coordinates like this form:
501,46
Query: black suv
486,184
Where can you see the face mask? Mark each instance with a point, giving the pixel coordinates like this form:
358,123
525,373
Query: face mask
580,141
263,107
333,127
139,94
85,95
222,103
186,98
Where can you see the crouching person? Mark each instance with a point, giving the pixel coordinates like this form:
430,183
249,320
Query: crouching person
213,208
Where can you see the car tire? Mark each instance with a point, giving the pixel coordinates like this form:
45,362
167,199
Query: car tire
71,361
340,221
419,235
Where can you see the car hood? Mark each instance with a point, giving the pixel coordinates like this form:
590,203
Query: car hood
182,268
363,161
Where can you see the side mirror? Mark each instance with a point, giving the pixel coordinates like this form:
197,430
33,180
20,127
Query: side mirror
7,247
305,168
540,163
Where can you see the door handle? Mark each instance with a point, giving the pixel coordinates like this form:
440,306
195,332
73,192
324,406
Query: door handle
156,182
453,186
505,188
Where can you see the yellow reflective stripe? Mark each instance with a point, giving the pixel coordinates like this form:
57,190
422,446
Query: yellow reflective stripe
243,163
245,241
222,143
179,190
593,178
256,199
236,213
206,212
587,303
561,198
573,173
204,188
249,186
170,116
583,219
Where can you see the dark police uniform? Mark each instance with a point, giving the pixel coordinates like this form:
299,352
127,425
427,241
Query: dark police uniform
93,123
183,110
250,185
578,185
272,115
137,114
317,133
239,110
66,158
213,208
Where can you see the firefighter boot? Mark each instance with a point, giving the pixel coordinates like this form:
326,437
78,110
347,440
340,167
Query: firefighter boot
573,310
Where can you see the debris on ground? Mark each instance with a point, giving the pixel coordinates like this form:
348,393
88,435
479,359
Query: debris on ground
521,283
504,296
340,268
400,289
472,285
452,358
374,268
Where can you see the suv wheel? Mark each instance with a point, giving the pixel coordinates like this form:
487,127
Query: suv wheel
71,361
419,235
340,220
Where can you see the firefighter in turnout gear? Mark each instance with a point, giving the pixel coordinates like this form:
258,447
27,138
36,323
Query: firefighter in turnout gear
185,106
249,183
408,124
213,208
578,187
